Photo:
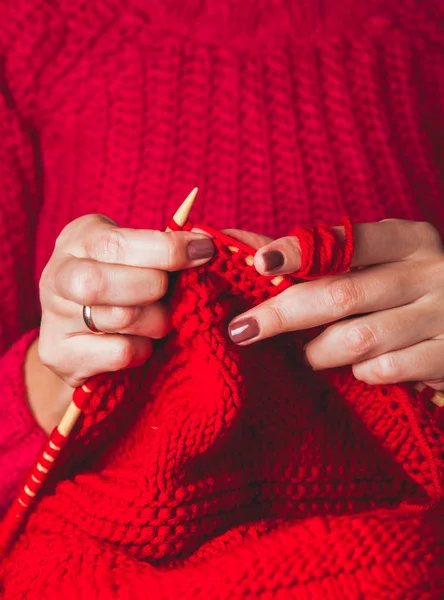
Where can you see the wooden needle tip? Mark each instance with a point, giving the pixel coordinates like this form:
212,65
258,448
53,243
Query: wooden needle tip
181,215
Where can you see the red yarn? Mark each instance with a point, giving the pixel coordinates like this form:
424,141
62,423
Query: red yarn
226,472
323,250
82,396
173,225
30,490
214,471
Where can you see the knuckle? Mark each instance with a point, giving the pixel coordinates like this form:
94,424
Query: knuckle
92,219
427,235
104,219
278,318
163,285
86,283
75,381
121,317
385,369
77,377
360,340
45,279
396,224
344,296
72,229
62,238
108,246
66,233
174,252
159,285
122,354
55,359
163,329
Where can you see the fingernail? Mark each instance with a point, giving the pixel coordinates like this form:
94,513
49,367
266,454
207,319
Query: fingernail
244,329
273,259
198,249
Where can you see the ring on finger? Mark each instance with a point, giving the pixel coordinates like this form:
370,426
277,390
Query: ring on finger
89,322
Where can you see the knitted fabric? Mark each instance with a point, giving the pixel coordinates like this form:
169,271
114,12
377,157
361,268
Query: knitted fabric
228,472
20,438
284,113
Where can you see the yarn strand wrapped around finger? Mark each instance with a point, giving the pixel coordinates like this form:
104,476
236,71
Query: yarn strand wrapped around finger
324,250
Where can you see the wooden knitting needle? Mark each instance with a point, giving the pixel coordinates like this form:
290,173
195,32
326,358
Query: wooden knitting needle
70,417
60,434
182,213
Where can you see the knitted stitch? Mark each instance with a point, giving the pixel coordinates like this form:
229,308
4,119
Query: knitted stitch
284,113
20,437
213,458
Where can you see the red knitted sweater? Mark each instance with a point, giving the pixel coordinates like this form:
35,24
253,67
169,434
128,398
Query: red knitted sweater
271,482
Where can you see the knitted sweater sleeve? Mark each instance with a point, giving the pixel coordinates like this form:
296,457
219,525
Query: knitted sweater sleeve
20,435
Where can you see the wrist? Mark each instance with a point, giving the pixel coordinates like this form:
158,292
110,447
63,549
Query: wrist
48,395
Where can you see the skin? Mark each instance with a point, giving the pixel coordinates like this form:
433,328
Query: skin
123,274
396,289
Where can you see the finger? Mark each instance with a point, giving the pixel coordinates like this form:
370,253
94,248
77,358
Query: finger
279,257
437,384
330,299
88,282
170,251
84,356
388,241
255,240
152,321
421,362
356,340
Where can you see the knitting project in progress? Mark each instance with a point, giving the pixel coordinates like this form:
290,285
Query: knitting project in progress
218,471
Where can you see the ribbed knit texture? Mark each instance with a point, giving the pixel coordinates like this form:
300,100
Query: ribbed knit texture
226,472
20,436
283,113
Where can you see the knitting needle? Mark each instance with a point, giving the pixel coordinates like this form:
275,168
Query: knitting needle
61,433
72,414
182,213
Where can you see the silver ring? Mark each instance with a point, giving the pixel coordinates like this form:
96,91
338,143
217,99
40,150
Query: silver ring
87,317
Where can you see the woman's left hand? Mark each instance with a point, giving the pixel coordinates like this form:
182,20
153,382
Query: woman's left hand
397,293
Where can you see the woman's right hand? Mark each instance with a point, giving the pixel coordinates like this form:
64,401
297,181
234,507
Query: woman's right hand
122,274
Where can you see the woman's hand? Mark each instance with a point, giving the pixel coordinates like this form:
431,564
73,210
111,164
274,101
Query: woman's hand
122,274
398,295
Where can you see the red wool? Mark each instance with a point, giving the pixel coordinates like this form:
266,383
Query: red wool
226,472
320,252
217,471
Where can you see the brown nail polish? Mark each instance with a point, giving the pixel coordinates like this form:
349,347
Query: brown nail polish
198,249
244,329
273,260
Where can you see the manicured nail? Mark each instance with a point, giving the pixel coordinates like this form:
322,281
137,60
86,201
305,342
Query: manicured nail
198,249
244,329
273,259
